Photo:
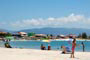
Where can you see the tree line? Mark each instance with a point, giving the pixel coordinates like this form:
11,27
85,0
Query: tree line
83,36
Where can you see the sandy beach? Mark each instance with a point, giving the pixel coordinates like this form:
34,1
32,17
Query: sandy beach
32,54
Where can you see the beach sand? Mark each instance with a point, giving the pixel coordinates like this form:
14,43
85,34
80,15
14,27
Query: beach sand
32,54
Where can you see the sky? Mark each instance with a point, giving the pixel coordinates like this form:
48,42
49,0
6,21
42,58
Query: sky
29,14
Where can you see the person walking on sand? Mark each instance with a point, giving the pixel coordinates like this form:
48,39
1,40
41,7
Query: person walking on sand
73,47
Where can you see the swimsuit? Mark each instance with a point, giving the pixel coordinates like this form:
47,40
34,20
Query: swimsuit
73,48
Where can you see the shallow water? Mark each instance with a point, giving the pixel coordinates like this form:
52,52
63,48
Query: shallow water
55,45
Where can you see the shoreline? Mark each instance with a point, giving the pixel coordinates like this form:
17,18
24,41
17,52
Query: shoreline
39,48
54,40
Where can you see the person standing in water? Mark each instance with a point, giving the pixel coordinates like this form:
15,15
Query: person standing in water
49,47
73,47
83,46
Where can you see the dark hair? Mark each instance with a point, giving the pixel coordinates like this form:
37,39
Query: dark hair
74,40
61,46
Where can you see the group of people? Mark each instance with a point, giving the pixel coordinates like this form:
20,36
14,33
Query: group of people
44,48
65,49
72,50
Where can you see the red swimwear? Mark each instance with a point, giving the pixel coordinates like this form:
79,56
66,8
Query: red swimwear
73,48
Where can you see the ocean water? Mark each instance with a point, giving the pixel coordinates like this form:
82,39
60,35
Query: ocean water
55,45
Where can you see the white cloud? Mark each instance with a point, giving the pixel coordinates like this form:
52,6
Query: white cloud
71,20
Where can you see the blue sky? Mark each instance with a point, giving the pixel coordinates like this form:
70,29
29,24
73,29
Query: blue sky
28,14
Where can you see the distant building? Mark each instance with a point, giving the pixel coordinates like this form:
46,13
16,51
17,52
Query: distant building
19,35
23,34
62,36
2,35
39,36
72,36
3,32
16,36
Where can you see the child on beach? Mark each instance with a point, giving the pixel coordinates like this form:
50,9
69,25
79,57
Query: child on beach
73,47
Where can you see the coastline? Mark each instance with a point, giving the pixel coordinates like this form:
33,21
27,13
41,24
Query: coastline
55,40
33,54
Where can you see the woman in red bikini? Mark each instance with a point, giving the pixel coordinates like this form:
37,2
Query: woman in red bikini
73,47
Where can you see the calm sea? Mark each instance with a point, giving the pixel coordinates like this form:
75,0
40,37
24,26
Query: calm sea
55,45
